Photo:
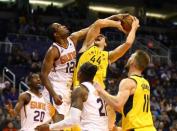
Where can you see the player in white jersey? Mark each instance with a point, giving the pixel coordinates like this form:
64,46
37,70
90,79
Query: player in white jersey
32,107
58,66
87,108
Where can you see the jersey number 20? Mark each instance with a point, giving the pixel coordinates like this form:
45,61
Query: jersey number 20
39,116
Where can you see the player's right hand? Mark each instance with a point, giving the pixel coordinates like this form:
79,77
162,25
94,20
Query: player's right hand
57,99
44,127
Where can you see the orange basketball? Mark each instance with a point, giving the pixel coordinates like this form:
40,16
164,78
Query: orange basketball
126,23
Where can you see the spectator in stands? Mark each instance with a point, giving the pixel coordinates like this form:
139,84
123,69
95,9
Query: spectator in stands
2,118
4,85
9,127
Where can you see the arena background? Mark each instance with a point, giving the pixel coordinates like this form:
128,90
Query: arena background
23,43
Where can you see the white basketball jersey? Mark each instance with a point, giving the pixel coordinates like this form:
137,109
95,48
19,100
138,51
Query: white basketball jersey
62,72
94,116
35,113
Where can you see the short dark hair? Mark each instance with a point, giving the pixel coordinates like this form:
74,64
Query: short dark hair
50,32
101,35
142,59
88,71
30,76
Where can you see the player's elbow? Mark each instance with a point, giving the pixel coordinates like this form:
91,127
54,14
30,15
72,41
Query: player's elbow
128,43
118,107
99,23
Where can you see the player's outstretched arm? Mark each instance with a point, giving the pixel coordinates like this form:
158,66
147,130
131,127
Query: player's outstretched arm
76,36
50,57
79,96
94,31
122,49
117,17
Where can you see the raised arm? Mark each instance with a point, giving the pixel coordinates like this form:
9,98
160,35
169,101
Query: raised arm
122,49
51,55
117,17
76,36
79,96
94,31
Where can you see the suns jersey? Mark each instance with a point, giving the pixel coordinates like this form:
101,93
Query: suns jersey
136,112
63,69
35,113
97,57
94,116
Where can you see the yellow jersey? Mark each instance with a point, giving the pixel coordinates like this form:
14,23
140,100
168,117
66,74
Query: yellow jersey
136,112
97,57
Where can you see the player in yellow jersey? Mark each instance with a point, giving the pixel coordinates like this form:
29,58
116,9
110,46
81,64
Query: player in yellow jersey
94,44
133,98
93,51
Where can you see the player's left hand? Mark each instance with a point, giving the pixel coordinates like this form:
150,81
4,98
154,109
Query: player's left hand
44,127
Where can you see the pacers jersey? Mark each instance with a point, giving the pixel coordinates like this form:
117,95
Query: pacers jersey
136,112
97,57
63,70
94,116
35,113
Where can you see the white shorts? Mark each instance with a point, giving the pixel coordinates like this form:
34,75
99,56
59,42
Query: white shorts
66,98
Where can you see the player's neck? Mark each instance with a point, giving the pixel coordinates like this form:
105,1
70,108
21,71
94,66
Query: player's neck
134,72
36,92
62,42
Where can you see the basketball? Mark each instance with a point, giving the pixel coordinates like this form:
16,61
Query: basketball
126,23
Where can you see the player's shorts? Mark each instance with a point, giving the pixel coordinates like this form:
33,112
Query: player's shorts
149,128
66,98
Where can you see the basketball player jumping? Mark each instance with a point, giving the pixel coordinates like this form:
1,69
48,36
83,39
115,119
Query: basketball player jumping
133,98
93,51
58,66
87,108
32,107
59,62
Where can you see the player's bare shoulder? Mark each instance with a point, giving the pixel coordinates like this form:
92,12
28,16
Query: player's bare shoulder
25,97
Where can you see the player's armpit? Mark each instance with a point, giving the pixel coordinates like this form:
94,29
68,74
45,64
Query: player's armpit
125,90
